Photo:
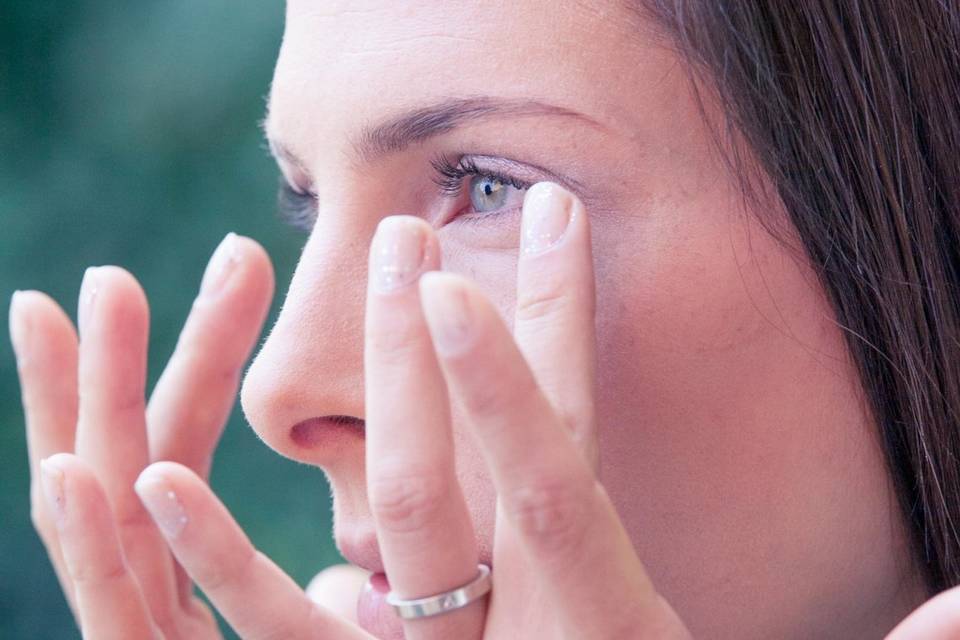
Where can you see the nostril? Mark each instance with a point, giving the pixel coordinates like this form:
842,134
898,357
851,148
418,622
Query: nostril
317,432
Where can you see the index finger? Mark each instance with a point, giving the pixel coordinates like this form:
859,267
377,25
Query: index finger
554,317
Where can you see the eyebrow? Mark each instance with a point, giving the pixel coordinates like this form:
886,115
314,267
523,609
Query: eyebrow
398,132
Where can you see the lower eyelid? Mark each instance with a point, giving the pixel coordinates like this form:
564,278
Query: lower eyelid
478,217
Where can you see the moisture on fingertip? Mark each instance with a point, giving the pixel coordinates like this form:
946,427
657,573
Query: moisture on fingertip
163,504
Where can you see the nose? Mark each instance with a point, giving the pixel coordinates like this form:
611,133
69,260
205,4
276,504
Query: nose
303,394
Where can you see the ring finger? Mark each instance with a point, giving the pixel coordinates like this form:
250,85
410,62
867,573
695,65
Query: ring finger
424,529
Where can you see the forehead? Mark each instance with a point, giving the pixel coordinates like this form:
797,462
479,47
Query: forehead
345,64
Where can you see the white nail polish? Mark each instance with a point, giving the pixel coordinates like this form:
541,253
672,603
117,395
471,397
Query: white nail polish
19,331
163,505
225,258
547,209
88,295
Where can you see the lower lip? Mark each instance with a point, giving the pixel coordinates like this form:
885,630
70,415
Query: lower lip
374,614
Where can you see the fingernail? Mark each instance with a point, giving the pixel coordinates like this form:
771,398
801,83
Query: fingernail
221,265
163,504
448,312
19,329
51,483
88,296
398,253
546,216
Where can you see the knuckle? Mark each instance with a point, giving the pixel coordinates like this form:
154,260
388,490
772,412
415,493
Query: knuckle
217,575
550,513
394,342
548,301
496,394
166,622
134,522
406,501
208,364
85,573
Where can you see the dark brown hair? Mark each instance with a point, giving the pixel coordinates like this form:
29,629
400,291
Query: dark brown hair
852,110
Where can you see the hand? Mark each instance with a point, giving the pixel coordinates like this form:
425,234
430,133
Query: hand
937,619
87,400
563,563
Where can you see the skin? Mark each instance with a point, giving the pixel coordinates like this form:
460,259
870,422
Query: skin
743,488
713,336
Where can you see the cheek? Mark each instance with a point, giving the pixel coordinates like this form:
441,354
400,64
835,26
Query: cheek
725,394
476,484
492,265
487,254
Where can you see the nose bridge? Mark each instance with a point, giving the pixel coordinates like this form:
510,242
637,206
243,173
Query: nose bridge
311,365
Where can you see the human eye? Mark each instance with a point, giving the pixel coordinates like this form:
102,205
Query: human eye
490,190
296,207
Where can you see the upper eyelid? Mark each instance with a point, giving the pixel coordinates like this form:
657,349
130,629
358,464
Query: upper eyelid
290,166
299,210
525,172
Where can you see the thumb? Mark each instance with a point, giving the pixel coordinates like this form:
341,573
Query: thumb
337,588
936,619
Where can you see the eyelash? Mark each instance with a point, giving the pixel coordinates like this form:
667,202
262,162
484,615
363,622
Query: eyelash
298,209
450,175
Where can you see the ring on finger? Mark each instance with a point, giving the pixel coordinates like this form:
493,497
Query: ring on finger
445,601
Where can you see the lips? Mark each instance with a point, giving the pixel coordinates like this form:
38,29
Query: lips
374,615
362,551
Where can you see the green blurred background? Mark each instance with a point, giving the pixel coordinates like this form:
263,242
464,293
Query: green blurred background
129,135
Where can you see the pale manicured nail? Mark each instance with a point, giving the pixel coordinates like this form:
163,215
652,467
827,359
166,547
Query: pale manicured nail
448,312
19,329
546,216
88,298
162,503
398,253
51,483
222,263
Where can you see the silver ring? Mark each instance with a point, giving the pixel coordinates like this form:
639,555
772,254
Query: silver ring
443,602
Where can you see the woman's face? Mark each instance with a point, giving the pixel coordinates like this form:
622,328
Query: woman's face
732,437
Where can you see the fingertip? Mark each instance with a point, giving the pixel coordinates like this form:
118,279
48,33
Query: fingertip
111,292
545,190
156,491
65,479
256,273
15,320
113,277
163,471
34,312
52,486
256,256
438,283
65,463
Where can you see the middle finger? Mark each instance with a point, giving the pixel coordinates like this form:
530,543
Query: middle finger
111,429
424,529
